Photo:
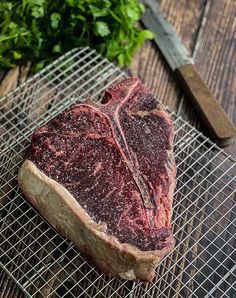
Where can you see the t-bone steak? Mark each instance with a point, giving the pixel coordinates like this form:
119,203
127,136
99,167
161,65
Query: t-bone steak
103,174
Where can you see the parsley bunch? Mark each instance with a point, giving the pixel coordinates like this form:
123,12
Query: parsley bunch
41,30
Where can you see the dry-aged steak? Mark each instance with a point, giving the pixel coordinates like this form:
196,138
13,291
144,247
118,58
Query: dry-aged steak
103,175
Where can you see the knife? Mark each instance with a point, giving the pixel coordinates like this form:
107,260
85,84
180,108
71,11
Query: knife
219,127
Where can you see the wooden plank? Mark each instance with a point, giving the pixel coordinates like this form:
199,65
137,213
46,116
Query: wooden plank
215,59
215,55
10,81
13,78
149,65
8,289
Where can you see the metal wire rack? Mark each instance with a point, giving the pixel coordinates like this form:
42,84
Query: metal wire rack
44,264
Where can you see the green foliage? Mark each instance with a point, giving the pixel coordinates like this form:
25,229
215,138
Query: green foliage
41,30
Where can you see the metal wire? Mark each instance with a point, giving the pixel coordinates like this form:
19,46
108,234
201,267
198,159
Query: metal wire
44,264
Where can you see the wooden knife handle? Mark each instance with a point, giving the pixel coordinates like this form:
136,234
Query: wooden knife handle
219,126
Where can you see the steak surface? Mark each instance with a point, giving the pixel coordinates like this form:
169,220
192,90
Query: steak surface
116,159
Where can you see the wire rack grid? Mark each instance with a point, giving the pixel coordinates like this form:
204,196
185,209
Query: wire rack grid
44,264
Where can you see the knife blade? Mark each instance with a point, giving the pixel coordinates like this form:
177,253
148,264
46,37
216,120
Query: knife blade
219,127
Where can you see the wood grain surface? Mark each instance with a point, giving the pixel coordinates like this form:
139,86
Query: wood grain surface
208,30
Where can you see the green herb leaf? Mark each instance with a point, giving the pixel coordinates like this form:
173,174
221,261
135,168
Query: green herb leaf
132,13
37,12
57,49
16,55
99,12
101,29
55,20
41,30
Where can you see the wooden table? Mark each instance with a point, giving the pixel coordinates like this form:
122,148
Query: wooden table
208,30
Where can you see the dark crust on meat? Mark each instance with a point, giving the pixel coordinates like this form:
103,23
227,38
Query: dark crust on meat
64,213
116,161
103,175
